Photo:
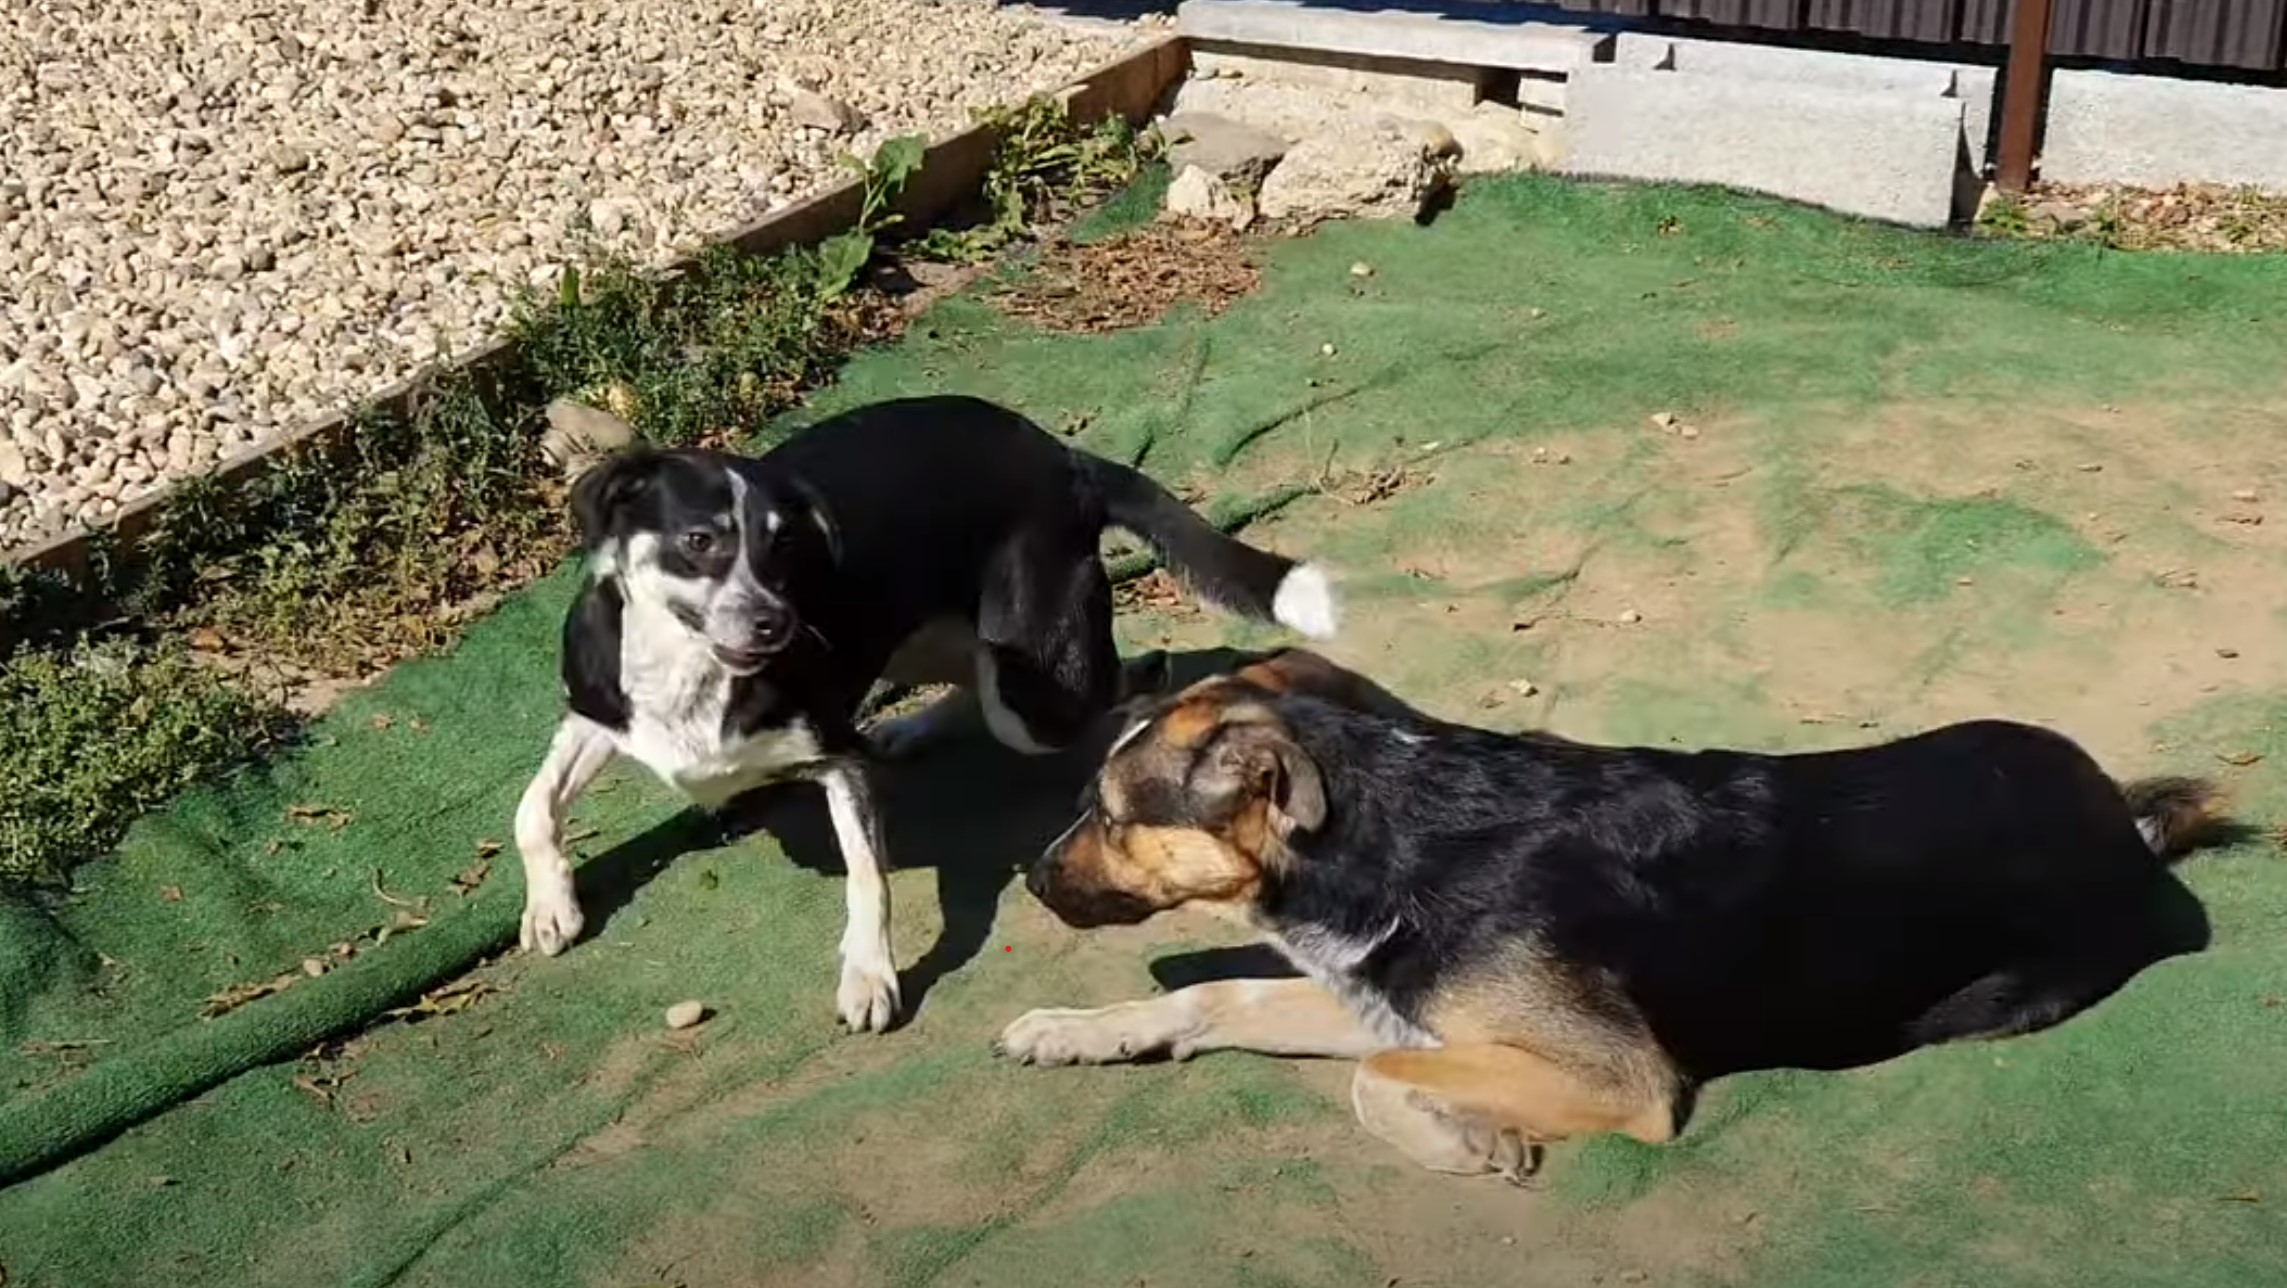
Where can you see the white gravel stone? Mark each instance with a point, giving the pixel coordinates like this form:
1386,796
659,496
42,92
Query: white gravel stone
219,219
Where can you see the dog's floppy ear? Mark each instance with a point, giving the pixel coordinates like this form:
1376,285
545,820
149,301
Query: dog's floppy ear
1260,758
606,486
814,509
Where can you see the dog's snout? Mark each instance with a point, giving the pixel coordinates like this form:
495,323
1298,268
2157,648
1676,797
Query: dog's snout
1036,878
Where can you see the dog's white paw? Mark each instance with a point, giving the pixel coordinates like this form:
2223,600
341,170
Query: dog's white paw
552,920
1105,1035
868,998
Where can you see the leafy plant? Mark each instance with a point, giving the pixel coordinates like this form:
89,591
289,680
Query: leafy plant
842,258
1045,162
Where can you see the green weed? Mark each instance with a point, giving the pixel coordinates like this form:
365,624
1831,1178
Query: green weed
92,737
1045,165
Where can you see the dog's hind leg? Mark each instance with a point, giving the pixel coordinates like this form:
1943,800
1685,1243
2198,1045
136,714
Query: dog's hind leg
868,996
1485,1107
552,917
1272,1016
943,652
1047,667
2090,948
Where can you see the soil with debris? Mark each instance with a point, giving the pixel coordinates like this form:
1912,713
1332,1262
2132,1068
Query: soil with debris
2197,217
1134,279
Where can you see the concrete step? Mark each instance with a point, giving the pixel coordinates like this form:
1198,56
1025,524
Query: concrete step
1395,31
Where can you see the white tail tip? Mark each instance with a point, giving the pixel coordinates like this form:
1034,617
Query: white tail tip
1305,602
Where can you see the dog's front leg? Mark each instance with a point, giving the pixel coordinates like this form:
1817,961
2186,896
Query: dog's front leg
868,998
552,917
1272,1016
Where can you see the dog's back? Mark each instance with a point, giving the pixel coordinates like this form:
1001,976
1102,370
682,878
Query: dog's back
1822,910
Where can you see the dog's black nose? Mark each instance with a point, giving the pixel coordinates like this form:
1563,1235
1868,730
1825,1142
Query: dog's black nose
1036,880
773,626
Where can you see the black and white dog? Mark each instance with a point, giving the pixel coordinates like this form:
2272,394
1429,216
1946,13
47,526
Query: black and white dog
739,609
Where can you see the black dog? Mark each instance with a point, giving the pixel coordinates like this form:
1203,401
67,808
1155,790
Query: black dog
738,611
1525,938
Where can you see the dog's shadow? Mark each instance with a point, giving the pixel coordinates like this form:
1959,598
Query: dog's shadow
975,811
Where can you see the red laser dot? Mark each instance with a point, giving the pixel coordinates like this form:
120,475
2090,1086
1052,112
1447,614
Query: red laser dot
1008,948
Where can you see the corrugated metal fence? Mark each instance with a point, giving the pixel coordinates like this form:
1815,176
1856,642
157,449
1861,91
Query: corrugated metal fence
2240,35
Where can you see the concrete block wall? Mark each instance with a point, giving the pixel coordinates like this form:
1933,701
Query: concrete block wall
1883,154
1972,84
2156,132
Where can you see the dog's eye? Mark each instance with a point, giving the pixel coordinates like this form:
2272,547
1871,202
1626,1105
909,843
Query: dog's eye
699,541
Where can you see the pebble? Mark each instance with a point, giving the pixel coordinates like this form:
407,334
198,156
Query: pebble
212,230
683,1015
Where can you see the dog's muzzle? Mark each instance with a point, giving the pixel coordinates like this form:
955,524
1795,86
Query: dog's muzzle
765,629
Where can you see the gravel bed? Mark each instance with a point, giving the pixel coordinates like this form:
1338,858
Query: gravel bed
222,218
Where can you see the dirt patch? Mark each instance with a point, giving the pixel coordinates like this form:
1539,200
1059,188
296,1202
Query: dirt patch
1825,580
1133,280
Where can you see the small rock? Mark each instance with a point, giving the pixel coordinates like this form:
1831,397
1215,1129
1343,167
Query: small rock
2062,215
1524,688
1229,150
578,434
1380,174
2246,494
815,110
1361,269
1665,421
1326,350
2227,654
1196,194
683,1015
1629,617
1687,432
606,218
288,159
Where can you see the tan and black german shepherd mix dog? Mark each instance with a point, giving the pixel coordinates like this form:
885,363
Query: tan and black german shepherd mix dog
1524,939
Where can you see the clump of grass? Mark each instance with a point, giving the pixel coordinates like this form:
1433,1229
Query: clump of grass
92,737
384,544
706,357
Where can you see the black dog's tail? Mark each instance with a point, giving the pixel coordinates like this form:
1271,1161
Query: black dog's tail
2177,815
1224,571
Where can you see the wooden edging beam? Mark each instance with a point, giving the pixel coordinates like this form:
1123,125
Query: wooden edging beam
2021,94
951,170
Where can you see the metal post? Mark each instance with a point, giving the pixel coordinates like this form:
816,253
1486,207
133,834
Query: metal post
2021,93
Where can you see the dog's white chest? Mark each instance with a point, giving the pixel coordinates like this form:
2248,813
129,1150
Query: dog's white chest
1332,961
677,699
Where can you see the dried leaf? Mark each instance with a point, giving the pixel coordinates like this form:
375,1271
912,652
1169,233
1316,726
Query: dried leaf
170,894
330,815
382,720
390,899
454,997
2239,759
466,882
237,995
